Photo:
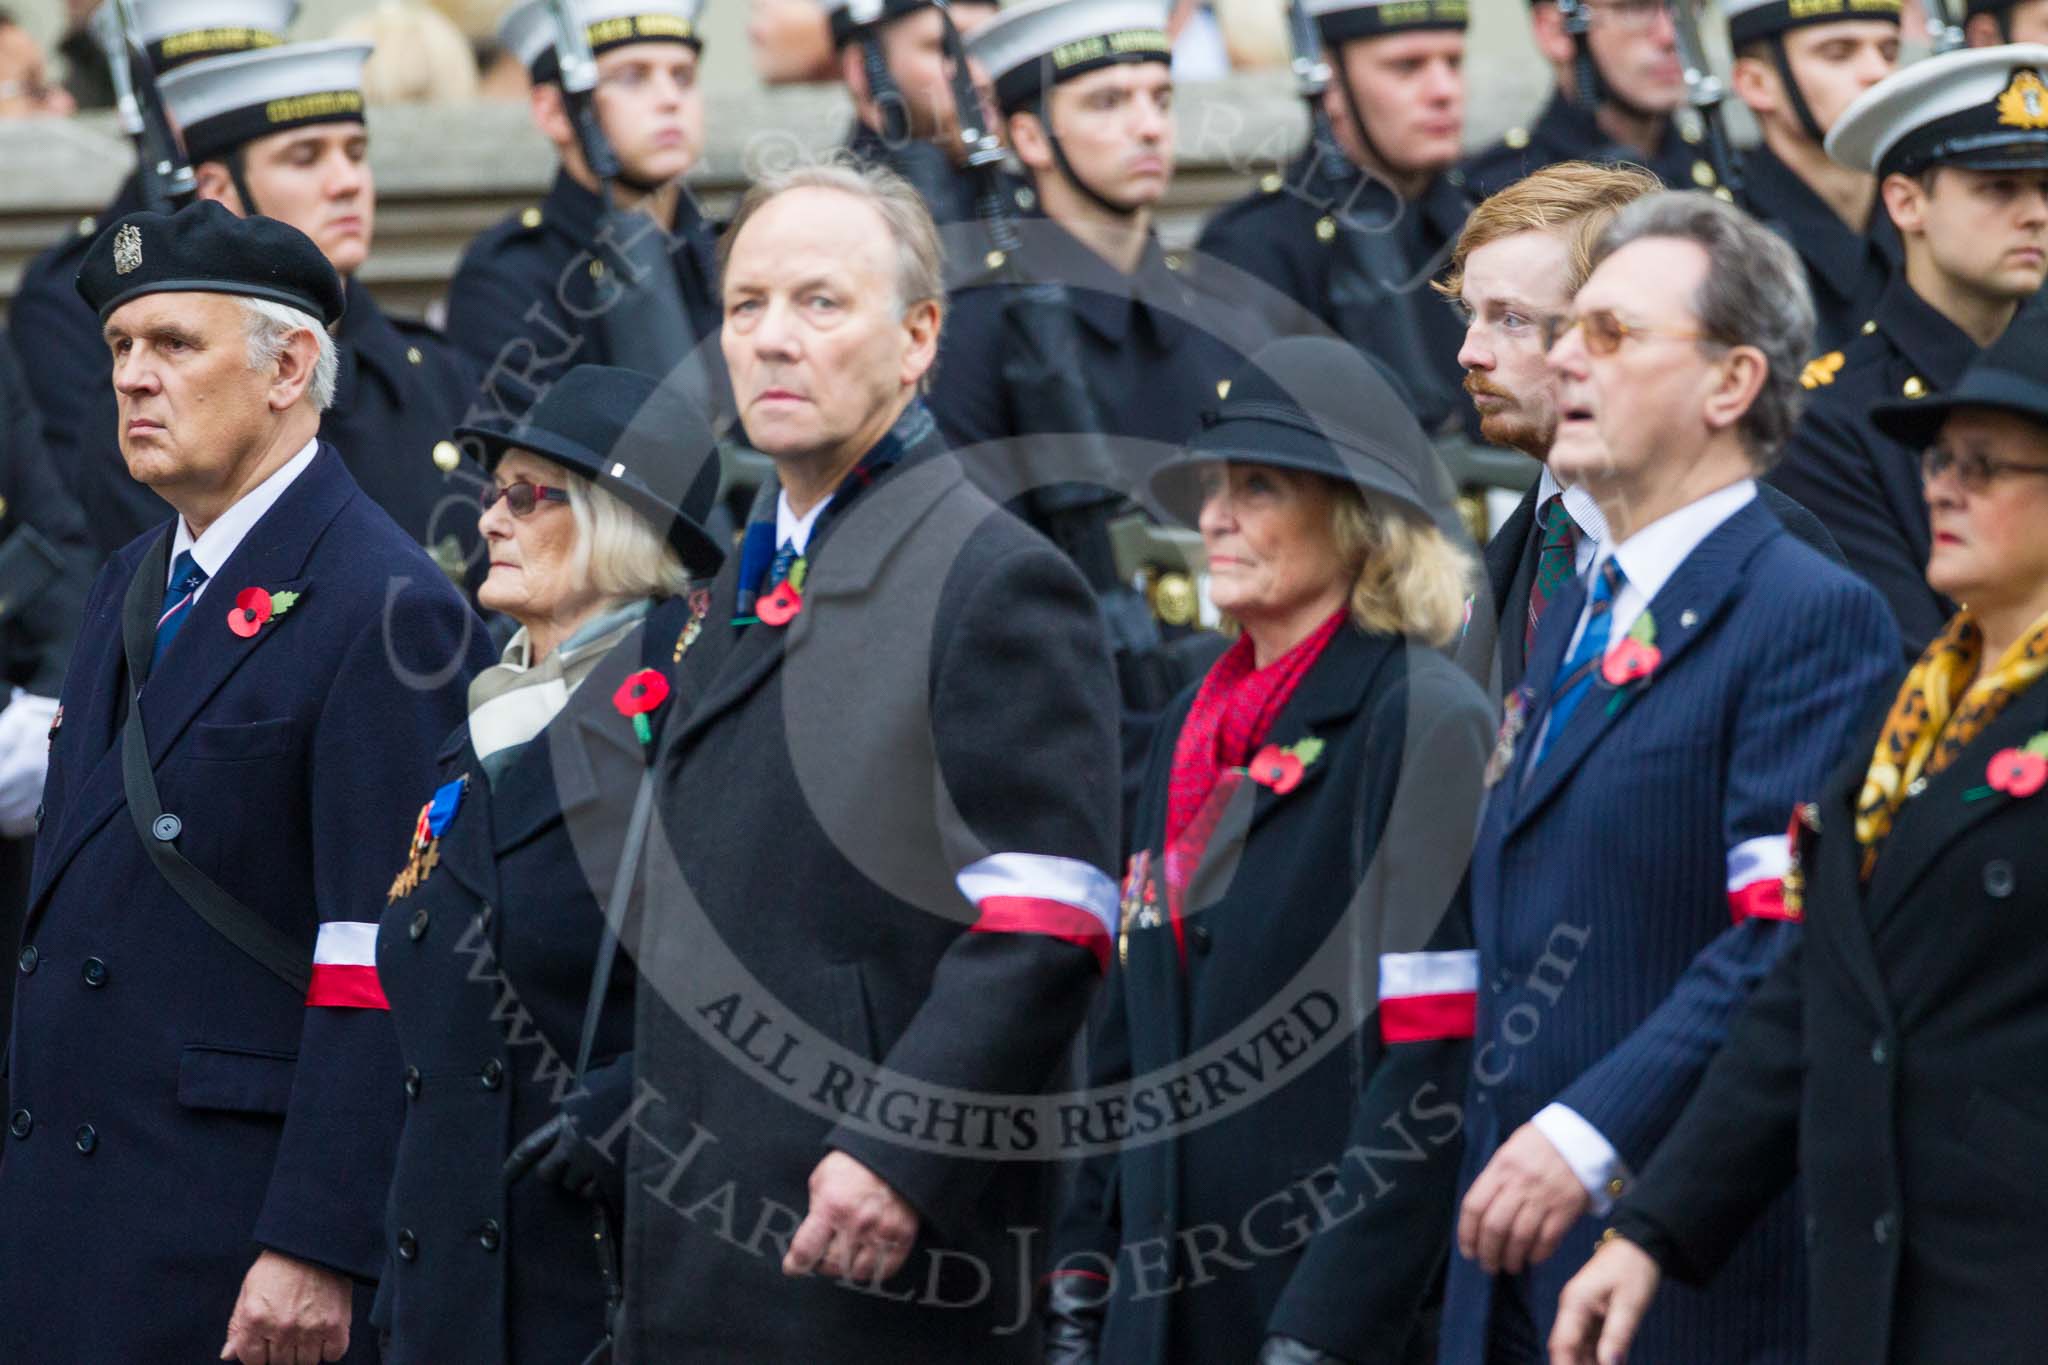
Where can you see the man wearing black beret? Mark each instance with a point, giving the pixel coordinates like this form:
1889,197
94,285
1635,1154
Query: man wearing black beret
202,1082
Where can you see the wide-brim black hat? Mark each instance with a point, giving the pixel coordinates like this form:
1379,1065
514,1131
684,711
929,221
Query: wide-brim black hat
2011,375
1320,406
647,441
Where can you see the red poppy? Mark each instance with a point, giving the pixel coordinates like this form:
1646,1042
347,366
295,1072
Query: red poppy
1630,660
2017,772
780,607
640,693
250,612
1274,767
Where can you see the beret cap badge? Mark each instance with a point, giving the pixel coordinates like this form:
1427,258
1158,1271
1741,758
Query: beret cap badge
127,250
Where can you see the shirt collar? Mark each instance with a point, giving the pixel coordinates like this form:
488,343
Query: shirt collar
210,551
1585,512
791,529
1653,554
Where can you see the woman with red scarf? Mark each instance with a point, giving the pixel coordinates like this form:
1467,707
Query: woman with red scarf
1272,1132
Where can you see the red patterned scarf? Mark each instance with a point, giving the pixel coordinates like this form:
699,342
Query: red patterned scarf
1236,706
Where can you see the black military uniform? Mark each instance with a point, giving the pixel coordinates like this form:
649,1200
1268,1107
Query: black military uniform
1891,1061
1962,108
531,261
947,188
1567,132
1341,244
69,377
1845,269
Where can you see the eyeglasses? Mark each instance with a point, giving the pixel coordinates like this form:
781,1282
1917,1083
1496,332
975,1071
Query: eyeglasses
521,497
1974,471
1605,332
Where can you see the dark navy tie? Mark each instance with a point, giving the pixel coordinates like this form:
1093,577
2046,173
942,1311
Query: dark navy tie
785,557
186,576
1575,674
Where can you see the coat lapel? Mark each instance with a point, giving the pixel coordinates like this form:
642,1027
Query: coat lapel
1683,610
1834,888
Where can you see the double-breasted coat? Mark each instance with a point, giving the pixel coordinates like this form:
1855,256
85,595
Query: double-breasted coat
1622,897
892,822
1892,1063
1302,1184
487,964
174,1108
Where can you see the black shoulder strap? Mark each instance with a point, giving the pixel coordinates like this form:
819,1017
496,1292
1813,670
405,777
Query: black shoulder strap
286,958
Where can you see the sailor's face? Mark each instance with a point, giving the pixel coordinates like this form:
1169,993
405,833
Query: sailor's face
651,108
317,178
1834,63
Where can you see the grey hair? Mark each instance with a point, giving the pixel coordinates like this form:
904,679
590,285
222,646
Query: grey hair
920,259
268,326
618,550
1754,294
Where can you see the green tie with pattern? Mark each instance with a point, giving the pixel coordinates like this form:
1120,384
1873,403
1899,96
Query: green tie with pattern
1555,560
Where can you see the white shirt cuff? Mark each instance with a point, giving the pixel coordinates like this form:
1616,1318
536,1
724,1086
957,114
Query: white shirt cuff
1592,1157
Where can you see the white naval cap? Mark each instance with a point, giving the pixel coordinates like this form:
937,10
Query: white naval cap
179,31
1029,47
223,102
1340,21
1749,20
1983,107
529,30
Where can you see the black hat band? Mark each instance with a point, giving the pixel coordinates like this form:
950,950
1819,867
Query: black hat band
1782,16
1400,16
606,34
177,49
1019,87
212,138
2009,133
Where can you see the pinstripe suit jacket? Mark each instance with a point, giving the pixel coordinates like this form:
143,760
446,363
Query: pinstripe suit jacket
1605,879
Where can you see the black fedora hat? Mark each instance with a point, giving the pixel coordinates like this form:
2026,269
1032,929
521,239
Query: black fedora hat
649,442
2012,375
1317,405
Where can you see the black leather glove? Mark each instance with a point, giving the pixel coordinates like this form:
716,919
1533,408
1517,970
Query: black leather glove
1288,1351
561,1151
1074,1309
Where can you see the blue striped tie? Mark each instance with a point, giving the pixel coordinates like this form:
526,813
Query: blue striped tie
785,557
1575,674
186,576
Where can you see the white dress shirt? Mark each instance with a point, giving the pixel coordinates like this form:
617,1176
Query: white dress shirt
211,550
1648,559
791,529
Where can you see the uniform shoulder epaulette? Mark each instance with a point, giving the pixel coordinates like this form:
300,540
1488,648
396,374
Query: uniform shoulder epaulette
1821,370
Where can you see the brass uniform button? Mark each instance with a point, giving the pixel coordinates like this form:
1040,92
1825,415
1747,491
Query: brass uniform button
1914,388
1026,199
1703,175
1326,229
1609,1235
529,218
3,507
1689,135
1173,599
1270,182
1517,138
994,260
1223,388
1869,326
1616,1186
446,456
412,355
1173,261
597,270
87,225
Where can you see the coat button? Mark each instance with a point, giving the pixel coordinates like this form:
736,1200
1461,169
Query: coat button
1502,979
1879,1053
95,972
418,927
1884,1227
1998,879
487,1236
20,1122
29,958
86,1139
412,1082
493,1074
166,827
1201,937
408,1245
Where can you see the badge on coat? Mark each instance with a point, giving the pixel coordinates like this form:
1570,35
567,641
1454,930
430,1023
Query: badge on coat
425,851
1514,718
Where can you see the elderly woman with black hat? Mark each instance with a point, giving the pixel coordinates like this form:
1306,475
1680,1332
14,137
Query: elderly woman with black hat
1892,1059
1279,1060
498,948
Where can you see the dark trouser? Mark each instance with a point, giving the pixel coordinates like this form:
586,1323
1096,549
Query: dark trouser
1510,1331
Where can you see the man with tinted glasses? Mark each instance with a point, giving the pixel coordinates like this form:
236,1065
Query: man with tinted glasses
1959,144
1798,65
1630,51
1690,690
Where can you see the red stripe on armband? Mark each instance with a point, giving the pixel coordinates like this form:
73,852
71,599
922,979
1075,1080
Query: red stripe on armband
1054,919
348,987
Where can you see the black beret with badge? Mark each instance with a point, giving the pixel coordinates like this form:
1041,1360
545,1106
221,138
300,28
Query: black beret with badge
203,248
224,102
1985,108
1028,48
528,31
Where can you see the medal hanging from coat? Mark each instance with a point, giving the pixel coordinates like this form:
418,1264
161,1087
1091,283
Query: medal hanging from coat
425,851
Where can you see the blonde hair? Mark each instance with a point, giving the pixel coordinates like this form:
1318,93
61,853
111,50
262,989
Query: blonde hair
618,549
419,55
1574,199
1409,577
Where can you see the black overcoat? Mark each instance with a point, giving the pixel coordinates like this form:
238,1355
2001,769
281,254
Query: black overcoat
1892,1062
1300,1178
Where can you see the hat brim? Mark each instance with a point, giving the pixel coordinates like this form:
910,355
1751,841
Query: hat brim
1916,423
1175,487
700,551
310,307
